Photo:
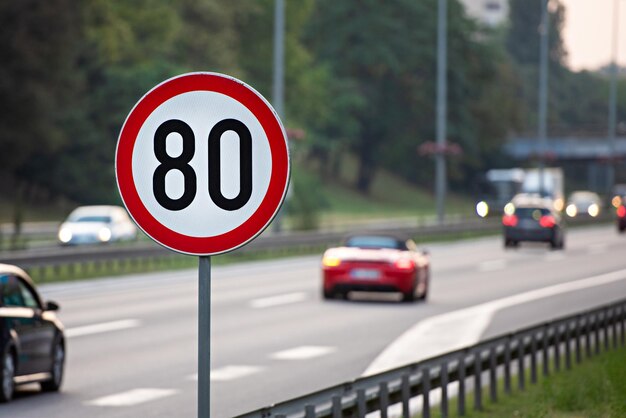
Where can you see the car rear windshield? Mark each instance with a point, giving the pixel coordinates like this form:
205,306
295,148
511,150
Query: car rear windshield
375,242
531,213
103,219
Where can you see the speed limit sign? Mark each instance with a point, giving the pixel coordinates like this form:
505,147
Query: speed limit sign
202,163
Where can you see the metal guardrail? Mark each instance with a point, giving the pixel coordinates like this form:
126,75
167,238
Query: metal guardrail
133,254
517,356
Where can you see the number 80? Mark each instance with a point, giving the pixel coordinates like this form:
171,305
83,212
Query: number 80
181,163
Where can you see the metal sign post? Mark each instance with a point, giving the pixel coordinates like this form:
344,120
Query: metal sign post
204,336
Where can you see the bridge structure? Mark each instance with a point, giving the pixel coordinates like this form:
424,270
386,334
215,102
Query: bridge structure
586,160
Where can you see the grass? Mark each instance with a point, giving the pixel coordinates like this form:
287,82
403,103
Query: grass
595,388
390,197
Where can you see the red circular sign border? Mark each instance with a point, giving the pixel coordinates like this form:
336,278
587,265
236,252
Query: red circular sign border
279,179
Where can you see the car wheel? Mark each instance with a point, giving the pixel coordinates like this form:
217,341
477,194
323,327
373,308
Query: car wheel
424,294
326,294
7,374
509,243
622,229
410,296
58,362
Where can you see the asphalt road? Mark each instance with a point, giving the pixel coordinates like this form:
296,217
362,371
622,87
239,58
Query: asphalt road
132,340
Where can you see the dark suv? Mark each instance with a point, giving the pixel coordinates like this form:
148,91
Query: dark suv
32,345
532,220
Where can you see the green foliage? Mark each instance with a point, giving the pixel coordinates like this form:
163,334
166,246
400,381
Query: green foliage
577,101
594,389
36,83
360,80
305,200
383,56
524,28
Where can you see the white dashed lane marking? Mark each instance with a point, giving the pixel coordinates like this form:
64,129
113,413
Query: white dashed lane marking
555,256
492,265
302,353
278,300
132,397
597,249
227,373
102,327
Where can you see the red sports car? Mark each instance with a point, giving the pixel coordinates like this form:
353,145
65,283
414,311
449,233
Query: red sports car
379,263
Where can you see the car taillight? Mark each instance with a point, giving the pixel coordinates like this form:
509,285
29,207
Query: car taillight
547,221
509,220
621,211
404,264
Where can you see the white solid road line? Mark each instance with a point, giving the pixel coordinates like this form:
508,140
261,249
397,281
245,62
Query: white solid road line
464,327
278,300
132,397
302,353
227,373
492,265
102,327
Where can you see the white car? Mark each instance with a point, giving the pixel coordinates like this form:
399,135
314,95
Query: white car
97,224
583,203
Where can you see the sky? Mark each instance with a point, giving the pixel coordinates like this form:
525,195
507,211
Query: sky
588,32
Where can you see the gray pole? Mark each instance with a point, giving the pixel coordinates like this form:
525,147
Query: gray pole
544,31
440,162
613,97
204,337
278,87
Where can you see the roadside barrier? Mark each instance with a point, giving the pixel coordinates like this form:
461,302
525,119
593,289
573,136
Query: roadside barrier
80,261
512,358
95,260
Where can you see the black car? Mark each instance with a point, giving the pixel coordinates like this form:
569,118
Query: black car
532,219
32,344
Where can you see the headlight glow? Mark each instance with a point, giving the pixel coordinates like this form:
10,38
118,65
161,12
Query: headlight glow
482,209
331,261
616,201
104,234
558,205
509,209
571,210
65,235
593,210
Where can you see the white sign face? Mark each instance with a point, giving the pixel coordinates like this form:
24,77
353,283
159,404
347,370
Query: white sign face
202,163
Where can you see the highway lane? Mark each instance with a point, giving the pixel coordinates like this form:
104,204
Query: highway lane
273,337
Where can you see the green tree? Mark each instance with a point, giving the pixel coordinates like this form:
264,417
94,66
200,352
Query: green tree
369,46
384,54
524,28
125,49
37,87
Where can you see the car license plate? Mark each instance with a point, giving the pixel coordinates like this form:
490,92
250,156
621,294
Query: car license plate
365,274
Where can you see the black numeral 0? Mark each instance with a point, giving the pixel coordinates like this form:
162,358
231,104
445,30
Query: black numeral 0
181,163
245,164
